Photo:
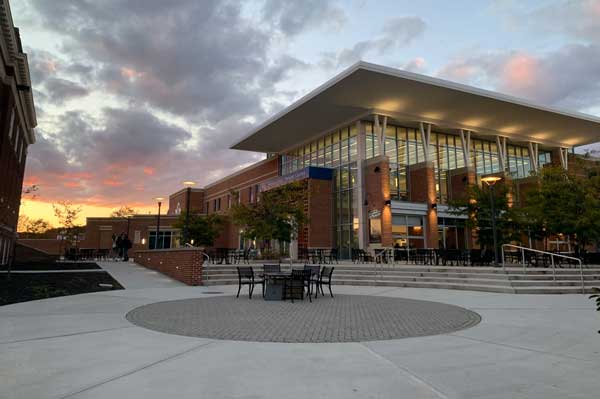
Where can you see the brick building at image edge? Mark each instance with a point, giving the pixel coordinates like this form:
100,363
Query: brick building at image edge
17,121
381,152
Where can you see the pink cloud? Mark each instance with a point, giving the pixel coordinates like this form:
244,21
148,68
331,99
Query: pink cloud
520,72
149,171
72,184
113,183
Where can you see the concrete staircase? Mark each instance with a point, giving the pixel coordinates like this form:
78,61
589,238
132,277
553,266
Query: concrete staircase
513,280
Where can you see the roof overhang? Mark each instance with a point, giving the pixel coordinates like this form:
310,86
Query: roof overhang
408,98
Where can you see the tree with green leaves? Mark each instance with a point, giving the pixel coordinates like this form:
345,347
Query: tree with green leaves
477,206
277,215
564,203
203,229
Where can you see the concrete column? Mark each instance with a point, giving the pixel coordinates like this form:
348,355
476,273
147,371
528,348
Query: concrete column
422,189
359,192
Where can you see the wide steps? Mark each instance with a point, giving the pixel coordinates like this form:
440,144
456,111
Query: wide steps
488,279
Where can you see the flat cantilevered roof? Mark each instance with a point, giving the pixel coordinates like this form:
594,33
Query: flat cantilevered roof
408,98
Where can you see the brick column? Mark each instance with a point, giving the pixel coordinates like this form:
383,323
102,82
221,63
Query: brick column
460,180
320,213
422,189
377,188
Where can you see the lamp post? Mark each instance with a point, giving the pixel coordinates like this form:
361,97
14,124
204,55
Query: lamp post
188,185
491,182
159,199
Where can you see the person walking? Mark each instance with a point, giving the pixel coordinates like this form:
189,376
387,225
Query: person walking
120,246
114,248
126,247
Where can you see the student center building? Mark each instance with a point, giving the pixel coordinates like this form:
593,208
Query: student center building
382,152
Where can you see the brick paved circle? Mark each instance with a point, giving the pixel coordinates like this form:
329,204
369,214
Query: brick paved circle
345,318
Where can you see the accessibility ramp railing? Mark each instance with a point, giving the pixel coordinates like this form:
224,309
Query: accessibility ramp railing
552,255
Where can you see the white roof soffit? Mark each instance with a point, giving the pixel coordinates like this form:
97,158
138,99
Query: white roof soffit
410,98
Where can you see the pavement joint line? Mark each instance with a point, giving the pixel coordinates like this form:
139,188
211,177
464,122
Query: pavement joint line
483,341
414,377
138,369
64,335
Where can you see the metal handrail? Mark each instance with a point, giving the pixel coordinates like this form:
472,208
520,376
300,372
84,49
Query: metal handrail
188,245
552,255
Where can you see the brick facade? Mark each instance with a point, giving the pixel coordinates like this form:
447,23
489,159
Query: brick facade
17,120
99,231
377,192
182,264
422,189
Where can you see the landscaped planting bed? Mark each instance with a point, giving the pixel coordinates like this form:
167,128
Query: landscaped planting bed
22,287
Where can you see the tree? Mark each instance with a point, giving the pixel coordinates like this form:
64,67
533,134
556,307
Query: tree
67,214
478,207
568,204
32,227
277,215
203,229
123,212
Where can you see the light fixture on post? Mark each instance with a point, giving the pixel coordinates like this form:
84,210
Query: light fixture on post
491,182
188,184
159,199
388,202
434,205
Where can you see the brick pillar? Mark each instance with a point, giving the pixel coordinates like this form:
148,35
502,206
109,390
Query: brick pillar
422,189
460,180
320,213
377,188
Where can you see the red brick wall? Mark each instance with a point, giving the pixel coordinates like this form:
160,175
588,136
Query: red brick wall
422,189
49,246
99,231
11,170
460,180
377,188
320,213
182,264
251,176
180,197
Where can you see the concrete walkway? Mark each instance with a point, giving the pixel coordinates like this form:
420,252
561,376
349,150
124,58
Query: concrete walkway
526,346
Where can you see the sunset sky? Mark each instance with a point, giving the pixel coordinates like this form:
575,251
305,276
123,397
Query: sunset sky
135,96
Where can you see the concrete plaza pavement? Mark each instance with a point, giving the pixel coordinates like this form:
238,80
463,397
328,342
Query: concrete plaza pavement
526,346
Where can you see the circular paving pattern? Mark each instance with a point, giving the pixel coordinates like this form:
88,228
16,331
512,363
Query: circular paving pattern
345,318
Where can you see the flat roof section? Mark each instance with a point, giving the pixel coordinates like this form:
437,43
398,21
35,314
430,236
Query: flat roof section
409,98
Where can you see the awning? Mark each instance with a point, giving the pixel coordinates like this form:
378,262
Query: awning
407,99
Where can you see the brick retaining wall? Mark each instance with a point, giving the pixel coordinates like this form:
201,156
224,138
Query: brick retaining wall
182,264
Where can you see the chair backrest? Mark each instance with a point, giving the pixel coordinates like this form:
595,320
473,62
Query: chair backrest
271,267
327,272
245,272
314,269
298,274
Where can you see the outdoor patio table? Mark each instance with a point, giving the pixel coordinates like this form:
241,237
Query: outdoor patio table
275,285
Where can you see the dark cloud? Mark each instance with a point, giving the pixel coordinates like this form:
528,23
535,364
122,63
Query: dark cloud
132,155
396,32
200,63
60,90
293,17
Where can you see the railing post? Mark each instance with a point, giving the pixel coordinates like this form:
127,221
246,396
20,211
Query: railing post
553,271
582,280
503,267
